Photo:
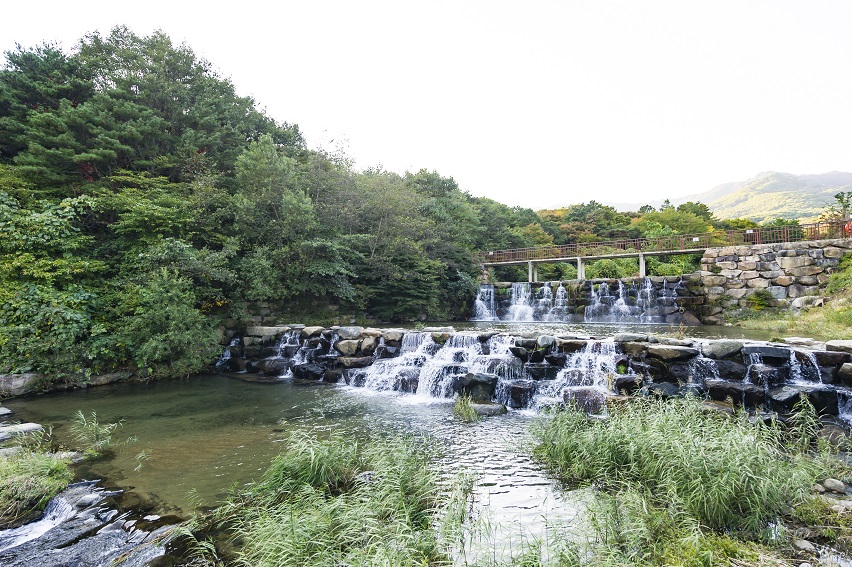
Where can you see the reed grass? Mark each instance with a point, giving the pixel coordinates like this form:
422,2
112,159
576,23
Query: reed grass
335,502
725,473
464,410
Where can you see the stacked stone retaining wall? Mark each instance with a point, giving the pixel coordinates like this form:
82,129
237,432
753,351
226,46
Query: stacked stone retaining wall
784,275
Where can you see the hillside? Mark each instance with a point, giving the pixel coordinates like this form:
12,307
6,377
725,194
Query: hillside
768,196
774,195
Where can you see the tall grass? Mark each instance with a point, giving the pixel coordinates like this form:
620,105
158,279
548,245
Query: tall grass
29,479
93,436
335,502
725,473
464,410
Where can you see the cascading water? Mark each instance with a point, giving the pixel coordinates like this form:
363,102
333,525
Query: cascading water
401,372
521,308
484,308
804,373
648,301
587,377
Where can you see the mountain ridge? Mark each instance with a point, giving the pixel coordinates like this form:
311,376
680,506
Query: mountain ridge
766,196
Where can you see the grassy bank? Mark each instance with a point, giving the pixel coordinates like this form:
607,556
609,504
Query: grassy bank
28,480
682,485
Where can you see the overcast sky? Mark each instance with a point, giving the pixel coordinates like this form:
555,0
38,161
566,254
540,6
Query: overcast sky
533,103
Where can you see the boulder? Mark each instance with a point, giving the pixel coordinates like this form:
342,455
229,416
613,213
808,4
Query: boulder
479,386
823,398
765,376
521,393
545,341
741,393
520,352
662,389
369,344
355,361
257,331
309,371
9,431
774,355
542,371
347,347
333,376
488,410
832,357
630,337
666,352
273,366
589,400
722,348
731,370
309,332
839,346
102,379
571,345
627,383
789,262
350,333
393,334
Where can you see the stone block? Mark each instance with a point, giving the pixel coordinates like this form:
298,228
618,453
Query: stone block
806,271
783,280
746,265
309,332
758,283
666,352
749,275
731,273
778,291
738,293
808,280
714,280
730,265
787,263
721,348
839,346
832,252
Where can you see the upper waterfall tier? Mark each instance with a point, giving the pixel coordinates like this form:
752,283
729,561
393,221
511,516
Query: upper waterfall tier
640,300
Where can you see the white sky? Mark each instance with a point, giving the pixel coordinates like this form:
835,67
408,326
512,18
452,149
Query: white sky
536,103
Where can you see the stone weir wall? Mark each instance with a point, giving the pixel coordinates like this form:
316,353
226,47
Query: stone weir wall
792,274
530,371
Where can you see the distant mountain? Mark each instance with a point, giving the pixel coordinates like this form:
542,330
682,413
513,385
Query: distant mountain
768,196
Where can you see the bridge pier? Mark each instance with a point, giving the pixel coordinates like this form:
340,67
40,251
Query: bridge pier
581,269
533,272
642,270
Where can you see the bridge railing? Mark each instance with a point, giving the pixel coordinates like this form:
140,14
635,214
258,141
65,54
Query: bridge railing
674,243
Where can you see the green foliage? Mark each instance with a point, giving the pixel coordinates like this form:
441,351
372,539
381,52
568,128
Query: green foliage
163,330
29,479
759,299
93,437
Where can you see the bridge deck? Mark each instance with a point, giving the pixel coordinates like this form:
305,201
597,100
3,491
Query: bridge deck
667,245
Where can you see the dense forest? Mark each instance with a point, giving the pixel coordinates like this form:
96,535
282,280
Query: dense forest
142,201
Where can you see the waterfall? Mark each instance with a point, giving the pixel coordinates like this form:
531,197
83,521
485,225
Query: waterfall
804,373
587,377
483,307
521,308
604,301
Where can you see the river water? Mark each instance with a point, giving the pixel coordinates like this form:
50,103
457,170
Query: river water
203,435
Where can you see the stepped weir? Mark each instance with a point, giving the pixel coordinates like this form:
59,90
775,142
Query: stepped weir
535,371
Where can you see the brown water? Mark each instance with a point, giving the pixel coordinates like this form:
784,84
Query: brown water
208,433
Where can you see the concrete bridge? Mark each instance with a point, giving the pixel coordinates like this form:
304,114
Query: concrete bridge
582,252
